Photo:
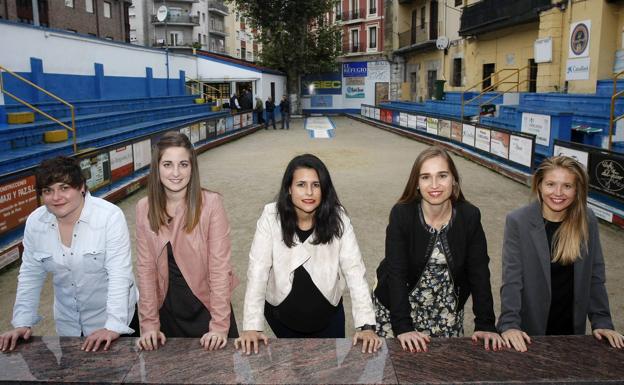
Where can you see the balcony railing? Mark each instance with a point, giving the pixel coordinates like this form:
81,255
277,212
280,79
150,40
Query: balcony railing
353,48
160,42
490,15
354,14
372,11
219,6
419,34
177,19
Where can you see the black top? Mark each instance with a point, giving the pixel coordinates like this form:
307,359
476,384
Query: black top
407,245
305,309
182,314
270,106
285,106
561,315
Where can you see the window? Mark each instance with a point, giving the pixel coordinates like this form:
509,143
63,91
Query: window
89,6
107,10
175,38
355,39
69,3
338,10
423,10
243,53
372,7
457,72
372,38
217,90
459,3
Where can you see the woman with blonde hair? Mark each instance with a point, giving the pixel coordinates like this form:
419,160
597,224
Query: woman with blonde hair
183,253
553,268
436,257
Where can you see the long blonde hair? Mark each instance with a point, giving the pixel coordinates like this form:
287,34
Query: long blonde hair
571,237
156,198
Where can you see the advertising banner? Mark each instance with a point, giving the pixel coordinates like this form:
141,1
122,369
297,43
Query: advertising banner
353,69
194,133
421,122
237,122
411,121
577,69
606,173
499,144
142,152
468,134
520,150
432,125
482,139
580,156
121,162
377,114
444,128
355,92
18,199
538,125
456,131
186,131
402,119
202,130
321,84
96,170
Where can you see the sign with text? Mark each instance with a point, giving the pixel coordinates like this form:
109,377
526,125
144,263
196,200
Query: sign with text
606,173
468,134
520,150
499,144
142,154
482,139
538,125
121,162
18,199
580,156
577,69
321,84
96,170
355,69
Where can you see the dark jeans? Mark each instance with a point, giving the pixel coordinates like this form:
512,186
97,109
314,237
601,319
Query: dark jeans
335,328
260,117
285,120
270,115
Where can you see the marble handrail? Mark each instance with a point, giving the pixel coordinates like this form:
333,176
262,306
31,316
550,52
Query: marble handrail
569,359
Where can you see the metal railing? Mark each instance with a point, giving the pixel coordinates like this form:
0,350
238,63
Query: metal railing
419,34
612,118
218,6
512,78
71,107
177,19
201,85
353,47
354,14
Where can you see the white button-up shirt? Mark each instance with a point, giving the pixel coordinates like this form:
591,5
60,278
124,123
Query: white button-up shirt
93,280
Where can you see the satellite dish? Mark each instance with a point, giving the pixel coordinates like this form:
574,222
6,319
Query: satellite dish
442,42
162,13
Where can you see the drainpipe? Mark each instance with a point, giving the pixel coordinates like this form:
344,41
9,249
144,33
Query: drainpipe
35,8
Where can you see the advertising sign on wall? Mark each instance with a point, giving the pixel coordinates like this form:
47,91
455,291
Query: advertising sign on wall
444,128
321,101
482,139
456,131
580,156
520,150
577,69
322,84
221,126
499,144
202,130
96,170
142,152
355,69
432,125
186,131
211,128
355,92
580,33
237,122
377,114
403,119
194,133
411,121
421,122
379,71
606,173
468,134
18,199
538,125
121,162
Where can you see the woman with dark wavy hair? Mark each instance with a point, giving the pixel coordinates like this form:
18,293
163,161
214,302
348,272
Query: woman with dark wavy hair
303,255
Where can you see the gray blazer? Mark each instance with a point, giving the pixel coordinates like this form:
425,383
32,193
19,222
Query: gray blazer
526,288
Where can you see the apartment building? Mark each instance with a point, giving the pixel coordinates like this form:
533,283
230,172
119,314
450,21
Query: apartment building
106,19
243,40
362,24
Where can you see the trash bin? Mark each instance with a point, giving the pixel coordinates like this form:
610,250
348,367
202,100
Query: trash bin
439,90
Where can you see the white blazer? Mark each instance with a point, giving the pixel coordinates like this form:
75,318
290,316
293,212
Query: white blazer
332,267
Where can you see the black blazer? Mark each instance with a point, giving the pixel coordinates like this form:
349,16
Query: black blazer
408,247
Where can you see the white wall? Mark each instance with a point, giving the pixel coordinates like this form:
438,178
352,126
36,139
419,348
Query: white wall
212,70
280,86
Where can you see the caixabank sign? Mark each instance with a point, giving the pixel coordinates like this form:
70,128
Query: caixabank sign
354,69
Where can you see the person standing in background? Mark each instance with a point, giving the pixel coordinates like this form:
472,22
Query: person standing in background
270,113
285,110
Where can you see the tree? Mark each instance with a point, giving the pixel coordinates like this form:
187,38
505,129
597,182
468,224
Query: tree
296,37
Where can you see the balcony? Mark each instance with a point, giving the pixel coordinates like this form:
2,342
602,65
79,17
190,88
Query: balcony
177,20
419,34
218,6
491,15
160,43
354,14
218,31
353,48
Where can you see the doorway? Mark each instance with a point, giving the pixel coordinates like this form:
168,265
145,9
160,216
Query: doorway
532,75
432,76
382,92
488,70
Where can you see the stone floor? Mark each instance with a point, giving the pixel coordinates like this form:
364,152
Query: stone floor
369,168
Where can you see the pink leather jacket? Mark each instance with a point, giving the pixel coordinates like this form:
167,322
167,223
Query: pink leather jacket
203,257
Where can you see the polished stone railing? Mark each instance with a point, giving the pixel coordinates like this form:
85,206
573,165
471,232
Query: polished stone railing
574,359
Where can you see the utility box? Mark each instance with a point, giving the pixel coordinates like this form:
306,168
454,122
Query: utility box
438,93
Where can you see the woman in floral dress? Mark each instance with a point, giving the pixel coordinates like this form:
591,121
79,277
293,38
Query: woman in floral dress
436,257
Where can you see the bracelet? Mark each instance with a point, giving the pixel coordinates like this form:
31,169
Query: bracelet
367,327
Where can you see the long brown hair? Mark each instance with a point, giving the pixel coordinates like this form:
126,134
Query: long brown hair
412,193
156,198
571,237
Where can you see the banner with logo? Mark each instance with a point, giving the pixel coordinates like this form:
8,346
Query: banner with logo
322,84
579,39
606,173
353,69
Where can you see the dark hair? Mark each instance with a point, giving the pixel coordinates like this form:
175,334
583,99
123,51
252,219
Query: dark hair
156,197
327,221
59,170
412,193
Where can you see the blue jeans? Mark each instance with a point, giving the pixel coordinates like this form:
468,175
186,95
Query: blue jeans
270,115
285,120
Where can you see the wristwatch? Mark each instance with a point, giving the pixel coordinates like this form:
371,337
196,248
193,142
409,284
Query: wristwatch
367,327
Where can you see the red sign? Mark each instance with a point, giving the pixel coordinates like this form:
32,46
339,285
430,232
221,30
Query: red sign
18,199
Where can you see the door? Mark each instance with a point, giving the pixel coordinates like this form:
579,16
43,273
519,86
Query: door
413,30
382,92
488,70
432,76
413,86
532,75
273,91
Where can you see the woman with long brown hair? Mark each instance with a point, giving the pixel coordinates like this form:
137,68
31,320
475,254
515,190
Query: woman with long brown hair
553,268
436,257
183,253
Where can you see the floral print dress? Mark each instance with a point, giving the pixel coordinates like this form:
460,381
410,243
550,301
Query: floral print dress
433,301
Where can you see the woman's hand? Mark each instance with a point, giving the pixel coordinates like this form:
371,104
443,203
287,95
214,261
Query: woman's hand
615,339
487,337
517,339
370,340
414,341
213,340
250,340
149,340
8,340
